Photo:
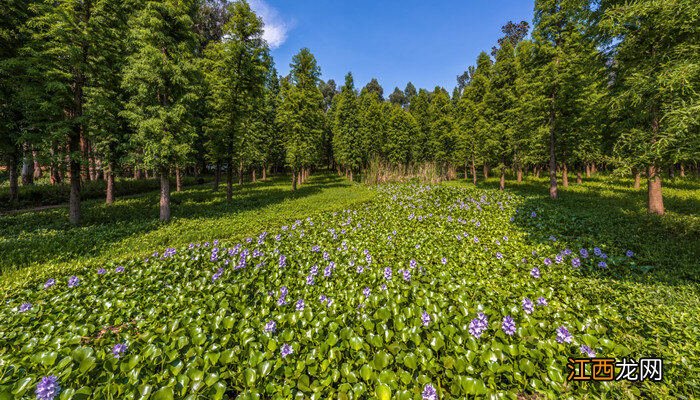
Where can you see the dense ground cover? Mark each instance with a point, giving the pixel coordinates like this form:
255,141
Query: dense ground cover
362,293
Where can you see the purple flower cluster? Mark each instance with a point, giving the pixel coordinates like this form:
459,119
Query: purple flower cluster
366,291
101,271
583,253
119,269
286,350
425,318
563,335
629,253
541,301
73,281
406,275
528,307
283,296
548,261
387,273
429,392
283,261
49,283
24,307
217,275
587,351
499,255
300,305
508,325
270,327
535,272
478,325
118,350
48,388
575,262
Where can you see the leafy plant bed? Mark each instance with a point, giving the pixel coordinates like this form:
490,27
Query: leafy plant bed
426,288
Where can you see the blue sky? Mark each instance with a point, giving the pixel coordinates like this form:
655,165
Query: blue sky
426,42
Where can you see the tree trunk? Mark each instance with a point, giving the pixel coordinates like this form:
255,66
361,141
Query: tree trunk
537,171
565,175
264,171
486,171
588,170
85,165
473,167
519,174
254,178
12,175
672,171
74,199
240,173
552,159
37,167
682,171
27,166
178,179
217,175
110,183
656,201
164,195
593,169
502,183
579,176
637,178
294,179
229,181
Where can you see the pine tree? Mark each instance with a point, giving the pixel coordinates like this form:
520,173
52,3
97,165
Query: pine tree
347,143
158,77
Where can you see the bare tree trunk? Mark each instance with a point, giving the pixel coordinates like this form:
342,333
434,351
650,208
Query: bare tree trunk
519,174
588,170
229,181
637,178
37,167
473,167
92,164
74,199
594,169
164,195
672,171
178,179
502,183
565,175
656,201
264,171
217,175
240,173
27,166
351,178
537,171
294,179
85,165
579,176
12,175
553,193
254,178
682,171
110,183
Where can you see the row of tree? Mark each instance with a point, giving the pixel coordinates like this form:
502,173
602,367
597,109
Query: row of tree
92,89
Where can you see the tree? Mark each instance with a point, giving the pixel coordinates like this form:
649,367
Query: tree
410,92
346,128
374,87
401,128
398,97
301,114
237,70
158,78
656,78
372,123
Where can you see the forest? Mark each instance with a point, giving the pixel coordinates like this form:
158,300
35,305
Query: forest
180,220
96,90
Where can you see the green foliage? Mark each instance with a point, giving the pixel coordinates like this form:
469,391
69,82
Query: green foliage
211,338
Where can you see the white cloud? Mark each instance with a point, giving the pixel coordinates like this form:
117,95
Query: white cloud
276,28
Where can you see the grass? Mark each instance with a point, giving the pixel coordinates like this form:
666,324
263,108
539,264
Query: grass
644,306
35,245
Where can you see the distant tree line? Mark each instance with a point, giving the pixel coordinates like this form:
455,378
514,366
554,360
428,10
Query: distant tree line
93,89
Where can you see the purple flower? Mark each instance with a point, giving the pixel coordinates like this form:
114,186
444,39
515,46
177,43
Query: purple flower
603,264
576,262
604,256
218,274
478,325
528,307
49,283
407,275
310,280
499,255
541,301
535,272
444,261
508,325
73,281
283,261
101,271
383,287
547,261
300,305
629,253
366,291
24,307
425,318
597,251
476,239
286,350
563,335
429,392
48,388
327,272
315,249
567,252
587,351
118,350
413,263
271,326
387,273
559,258
360,268
584,253
533,214
314,270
